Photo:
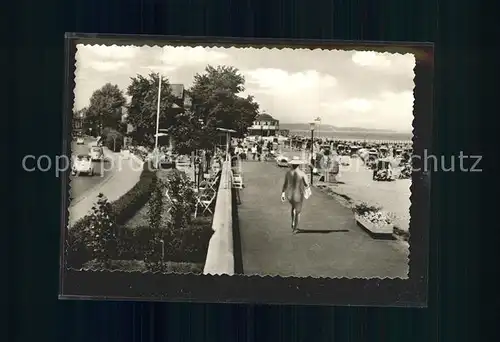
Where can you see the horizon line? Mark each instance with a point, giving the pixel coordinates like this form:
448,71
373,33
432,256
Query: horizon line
352,127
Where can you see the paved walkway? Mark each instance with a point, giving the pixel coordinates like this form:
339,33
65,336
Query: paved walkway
127,174
332,245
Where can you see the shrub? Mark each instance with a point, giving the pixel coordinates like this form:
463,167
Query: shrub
154,256
112,139
155,204
184,240
77,251
100,237
139,266
137,197
189,244
182,199
196,239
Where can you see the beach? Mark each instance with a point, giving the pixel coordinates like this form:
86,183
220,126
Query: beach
355,183
356,135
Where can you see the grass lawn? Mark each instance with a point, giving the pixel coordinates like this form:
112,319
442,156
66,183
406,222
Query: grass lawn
139,266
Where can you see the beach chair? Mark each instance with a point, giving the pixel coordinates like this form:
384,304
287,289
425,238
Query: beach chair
208,182
204,201
237,175
237,180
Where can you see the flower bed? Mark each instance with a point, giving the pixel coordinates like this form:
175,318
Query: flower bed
373,219
101,238
140,266
169,243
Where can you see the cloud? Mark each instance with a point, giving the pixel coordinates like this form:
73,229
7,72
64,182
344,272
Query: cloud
157,68
387,62
107,66
189,56
289,96
113,52
344,88
281,82
389,110
103,58
357,105
371,59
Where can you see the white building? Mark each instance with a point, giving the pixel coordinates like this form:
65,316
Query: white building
265,126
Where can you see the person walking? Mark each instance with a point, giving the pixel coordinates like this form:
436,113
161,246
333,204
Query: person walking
294,190
254,151
259,152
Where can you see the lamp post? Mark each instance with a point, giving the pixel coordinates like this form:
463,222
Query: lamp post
157,129
318,120
158,111
312,126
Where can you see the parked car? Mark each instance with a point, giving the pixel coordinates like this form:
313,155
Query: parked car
96,153
82,165
282,161
80,141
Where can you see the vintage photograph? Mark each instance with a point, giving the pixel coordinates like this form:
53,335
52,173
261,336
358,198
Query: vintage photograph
315,145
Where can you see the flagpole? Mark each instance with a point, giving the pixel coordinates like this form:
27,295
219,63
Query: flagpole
158,112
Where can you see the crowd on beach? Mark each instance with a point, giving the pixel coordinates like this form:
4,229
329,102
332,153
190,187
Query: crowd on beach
325,156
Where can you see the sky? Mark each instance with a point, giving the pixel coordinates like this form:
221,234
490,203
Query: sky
364,89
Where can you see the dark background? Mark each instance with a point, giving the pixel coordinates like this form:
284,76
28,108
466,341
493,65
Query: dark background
33,74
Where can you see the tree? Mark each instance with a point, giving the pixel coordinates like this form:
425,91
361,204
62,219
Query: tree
112,139
155,204
142,109
191,133
182,199
216,103
102,231
105,108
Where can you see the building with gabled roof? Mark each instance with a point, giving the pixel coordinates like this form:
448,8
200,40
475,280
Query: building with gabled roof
264,125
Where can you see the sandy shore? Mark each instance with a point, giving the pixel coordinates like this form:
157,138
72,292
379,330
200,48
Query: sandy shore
355,185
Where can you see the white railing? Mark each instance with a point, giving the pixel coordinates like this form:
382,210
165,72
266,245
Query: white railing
220,255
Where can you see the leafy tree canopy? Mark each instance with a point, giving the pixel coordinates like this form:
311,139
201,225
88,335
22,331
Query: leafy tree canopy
216,103
105,108
142,109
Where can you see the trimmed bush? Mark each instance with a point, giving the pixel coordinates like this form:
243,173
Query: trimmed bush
126,206
140,266
77,252
123,209
101,238
186,245
184,240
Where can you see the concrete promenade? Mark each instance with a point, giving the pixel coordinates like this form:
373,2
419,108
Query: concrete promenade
330,244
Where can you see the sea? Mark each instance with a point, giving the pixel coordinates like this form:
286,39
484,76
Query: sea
357,135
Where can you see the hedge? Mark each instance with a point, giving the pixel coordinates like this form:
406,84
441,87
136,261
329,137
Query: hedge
124,208
182,245
186,245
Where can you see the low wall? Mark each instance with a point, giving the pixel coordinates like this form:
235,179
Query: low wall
220,255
